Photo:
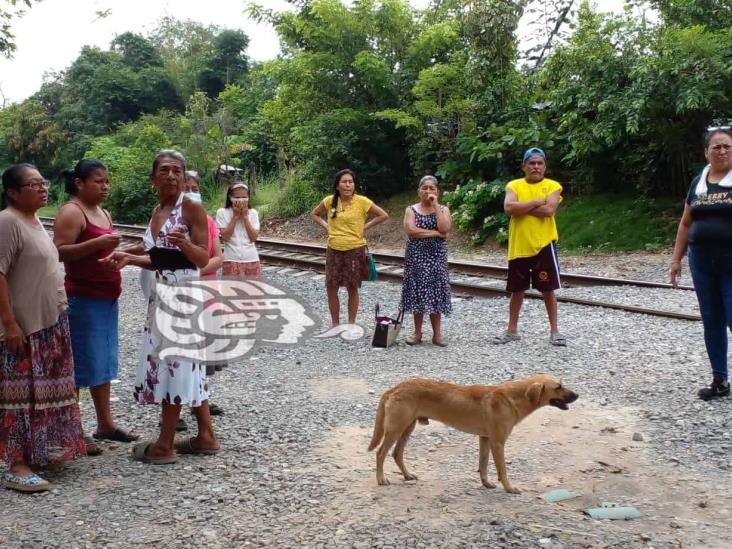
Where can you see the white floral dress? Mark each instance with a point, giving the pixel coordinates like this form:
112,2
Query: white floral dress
169,382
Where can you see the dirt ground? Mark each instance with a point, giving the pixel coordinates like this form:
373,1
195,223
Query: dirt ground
588,450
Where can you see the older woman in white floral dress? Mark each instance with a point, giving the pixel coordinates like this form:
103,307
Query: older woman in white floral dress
175,247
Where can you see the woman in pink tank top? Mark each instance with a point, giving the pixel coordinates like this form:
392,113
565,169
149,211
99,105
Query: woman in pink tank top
192,188
83,234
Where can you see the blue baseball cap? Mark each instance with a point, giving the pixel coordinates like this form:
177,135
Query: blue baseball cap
534,151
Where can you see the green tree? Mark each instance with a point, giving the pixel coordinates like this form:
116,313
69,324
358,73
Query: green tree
128,155
185,47
226,64
136,51
7,14
28,133
712,14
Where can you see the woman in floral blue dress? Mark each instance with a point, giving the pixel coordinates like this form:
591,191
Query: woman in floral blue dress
426,286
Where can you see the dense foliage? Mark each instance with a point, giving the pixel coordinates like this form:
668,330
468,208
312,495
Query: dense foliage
619,102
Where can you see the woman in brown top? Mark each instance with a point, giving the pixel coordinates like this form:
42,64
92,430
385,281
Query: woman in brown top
39,414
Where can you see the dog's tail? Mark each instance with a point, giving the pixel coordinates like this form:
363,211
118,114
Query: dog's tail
379,422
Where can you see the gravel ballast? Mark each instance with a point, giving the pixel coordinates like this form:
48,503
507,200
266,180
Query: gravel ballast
295,470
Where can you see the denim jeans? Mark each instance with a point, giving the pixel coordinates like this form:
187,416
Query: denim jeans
711,270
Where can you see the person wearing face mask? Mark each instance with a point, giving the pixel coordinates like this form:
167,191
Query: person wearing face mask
705,230
192,189
239,228
532,202
426,285
346,257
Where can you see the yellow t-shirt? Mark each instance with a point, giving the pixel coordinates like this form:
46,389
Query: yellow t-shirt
345,232
528,234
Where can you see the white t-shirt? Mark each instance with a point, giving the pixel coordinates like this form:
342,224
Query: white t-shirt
238,247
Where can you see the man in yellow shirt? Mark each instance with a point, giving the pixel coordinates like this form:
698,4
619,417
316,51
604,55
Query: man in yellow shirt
532,202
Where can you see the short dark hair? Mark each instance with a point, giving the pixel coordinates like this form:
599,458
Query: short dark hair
13,179
83,170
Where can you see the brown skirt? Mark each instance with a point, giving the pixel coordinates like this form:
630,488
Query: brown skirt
345,268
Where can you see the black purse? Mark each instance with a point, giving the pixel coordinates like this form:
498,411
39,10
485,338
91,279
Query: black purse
166,259
387,329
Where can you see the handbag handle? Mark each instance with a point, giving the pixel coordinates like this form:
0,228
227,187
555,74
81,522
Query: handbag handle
399,318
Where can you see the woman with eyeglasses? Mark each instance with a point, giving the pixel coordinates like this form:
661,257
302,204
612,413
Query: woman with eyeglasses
706,231
40,422
84,234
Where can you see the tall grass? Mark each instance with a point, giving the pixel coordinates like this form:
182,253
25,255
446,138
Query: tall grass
617,223
213,194
297,198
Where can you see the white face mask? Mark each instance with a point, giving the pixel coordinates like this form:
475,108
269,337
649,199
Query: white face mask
196,197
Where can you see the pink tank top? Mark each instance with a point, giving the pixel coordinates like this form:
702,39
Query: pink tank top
213,235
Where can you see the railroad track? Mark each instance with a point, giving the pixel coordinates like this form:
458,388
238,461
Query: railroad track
474,279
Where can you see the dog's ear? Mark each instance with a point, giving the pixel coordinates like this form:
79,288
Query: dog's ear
534,392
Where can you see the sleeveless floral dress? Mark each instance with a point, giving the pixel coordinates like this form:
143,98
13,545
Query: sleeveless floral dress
170,382
426,286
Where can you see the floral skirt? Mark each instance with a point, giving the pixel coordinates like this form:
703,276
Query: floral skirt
167,381
345,268
40,421
241,268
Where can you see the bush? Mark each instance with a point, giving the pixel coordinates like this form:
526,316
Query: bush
478,207
297,198
131,198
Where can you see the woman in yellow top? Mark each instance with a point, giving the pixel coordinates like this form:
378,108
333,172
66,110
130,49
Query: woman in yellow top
346,260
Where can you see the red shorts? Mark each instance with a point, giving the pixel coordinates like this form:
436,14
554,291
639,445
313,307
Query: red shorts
540,271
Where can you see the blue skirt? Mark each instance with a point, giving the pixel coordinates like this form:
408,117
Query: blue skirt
94,339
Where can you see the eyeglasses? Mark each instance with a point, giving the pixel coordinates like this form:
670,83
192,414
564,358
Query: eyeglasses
38,185
721,147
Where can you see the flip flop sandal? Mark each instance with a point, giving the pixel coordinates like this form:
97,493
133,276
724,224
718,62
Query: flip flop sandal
118,435
185,446
505,337
27,483
558,340
138,454
413,340
92,447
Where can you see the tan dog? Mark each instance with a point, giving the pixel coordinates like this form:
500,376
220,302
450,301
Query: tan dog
489,411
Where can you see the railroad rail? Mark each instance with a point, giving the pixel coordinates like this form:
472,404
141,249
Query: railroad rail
390,268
